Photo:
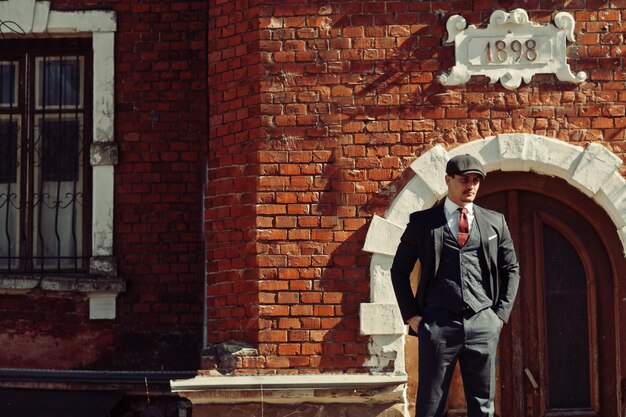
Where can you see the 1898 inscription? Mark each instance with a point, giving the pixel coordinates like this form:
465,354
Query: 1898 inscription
501,51
508,51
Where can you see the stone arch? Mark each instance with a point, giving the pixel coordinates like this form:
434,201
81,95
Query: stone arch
593,170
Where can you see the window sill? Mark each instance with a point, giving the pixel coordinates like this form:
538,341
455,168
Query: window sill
18,283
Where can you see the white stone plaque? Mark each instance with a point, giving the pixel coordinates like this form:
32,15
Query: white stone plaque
510,49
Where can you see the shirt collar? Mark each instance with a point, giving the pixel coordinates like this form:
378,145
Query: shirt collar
452,207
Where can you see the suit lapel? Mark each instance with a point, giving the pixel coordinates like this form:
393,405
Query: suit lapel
438,235
484,228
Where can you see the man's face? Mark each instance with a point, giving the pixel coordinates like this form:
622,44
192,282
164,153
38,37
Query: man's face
462,189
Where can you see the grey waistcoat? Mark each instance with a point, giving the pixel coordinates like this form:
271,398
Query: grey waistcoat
459,282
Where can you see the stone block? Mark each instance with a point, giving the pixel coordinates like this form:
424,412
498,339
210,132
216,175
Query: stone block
551,156
380,319
383,236
512,150
416,195
431,167
612,197
596,164
299,410
381,289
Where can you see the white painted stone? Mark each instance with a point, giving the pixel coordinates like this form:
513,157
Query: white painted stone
381,288
485,150
383,236
380,319
18,284
512,150
40,20
102,218
385,349
612,197
81,21
424,189
431,167
24,284
103,266
21,13
551,156
30,16
416,195
277,381
102,306
595,166
103,87
510,49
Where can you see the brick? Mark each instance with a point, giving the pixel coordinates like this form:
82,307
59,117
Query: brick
301,310
298,336
286,349
312,349
272,336
288,297
289,323
273,310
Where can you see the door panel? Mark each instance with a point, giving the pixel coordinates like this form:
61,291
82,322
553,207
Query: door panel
567,324
557,353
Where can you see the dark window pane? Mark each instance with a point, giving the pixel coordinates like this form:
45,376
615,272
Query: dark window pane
60,82
60,148
8,151
7,83
567,323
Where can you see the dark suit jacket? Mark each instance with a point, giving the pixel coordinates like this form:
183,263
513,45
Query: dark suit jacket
423,240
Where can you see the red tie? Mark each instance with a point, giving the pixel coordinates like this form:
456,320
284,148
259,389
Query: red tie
463,226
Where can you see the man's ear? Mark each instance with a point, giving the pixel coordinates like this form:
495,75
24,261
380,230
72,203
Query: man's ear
448,178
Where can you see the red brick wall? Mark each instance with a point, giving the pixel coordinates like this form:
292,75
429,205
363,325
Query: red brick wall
161,124
346,97
160,127
231,195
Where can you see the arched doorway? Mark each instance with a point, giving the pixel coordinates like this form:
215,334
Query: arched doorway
557,355
587,181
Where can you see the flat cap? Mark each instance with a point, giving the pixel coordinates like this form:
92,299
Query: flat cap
465,164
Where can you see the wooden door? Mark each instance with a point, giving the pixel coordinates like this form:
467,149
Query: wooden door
557,355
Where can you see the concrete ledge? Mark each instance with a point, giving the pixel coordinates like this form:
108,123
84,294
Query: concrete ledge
328,381
258,409
290,389
81,284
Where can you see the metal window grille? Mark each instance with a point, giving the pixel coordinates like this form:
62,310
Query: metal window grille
44,138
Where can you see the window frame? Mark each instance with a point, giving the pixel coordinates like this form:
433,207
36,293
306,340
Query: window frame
37,20
28,55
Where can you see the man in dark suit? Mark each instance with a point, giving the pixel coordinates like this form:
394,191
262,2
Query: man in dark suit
469,277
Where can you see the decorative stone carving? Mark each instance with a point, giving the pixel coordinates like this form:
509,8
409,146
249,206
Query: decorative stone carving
510,49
